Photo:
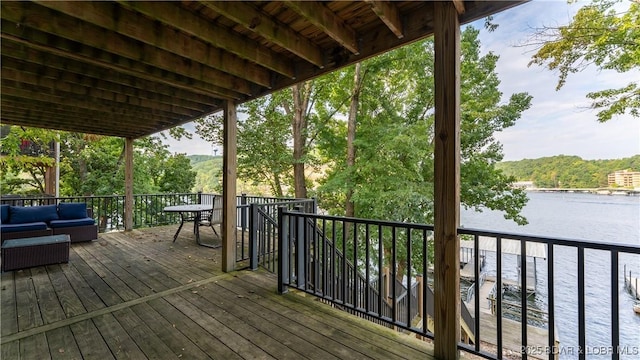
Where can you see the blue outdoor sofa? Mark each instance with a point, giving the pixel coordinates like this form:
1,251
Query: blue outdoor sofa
73,219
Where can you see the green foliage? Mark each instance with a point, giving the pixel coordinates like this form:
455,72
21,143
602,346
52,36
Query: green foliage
197,159
23,170
92,165
393,175
602,35
567,171
208,173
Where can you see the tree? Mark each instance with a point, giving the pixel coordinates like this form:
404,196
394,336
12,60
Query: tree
393,171
392,175
599,34
91,164
26,151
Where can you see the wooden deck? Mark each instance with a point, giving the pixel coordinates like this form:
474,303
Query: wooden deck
137,295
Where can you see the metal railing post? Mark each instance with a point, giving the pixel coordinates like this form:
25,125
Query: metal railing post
199,197
243,215
300,249
253,236
283,251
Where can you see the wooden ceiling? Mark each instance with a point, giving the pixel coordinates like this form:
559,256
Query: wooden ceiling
131,69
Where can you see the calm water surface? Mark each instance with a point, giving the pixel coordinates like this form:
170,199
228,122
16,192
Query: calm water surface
600,218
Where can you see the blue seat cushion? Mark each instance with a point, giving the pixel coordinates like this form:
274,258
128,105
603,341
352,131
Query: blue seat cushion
71,211
71,223
4,212
30,214
7,228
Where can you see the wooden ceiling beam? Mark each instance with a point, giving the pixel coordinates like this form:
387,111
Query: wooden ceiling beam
418,24
69,71
459,5
42,121
389,14
43,94
38,120
18,19
112,17
94,57
322,17
51,103
62,119
70,77
263,25
173,15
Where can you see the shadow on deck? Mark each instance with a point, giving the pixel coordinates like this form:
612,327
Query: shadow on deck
138,295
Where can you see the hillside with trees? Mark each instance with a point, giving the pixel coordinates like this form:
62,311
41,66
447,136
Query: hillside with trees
564,171
208,171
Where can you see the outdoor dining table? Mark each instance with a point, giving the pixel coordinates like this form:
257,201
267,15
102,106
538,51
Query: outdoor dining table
185,211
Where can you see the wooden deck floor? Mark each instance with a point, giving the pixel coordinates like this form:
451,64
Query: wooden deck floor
137,295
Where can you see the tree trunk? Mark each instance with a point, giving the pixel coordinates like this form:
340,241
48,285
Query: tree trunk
277,186
301,93
351,136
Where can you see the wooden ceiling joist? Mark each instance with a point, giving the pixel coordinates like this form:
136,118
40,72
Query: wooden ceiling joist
217,36
107,15
72,30
96,87
111,62
132,68
319,15
389,14
245,14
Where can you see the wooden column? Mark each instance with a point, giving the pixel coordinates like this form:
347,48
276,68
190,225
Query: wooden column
447,181
128,184
229,187
50,180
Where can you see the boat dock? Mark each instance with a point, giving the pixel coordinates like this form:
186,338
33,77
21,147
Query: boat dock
511,330
632,284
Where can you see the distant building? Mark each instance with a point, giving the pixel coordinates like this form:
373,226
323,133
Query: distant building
523,185
624,178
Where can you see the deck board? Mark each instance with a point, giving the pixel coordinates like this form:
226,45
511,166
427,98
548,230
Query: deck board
62,344
138,295
50,307
90,343
69,300
28,312
8,305
116,338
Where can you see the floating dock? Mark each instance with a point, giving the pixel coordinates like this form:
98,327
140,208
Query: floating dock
632,284
537,337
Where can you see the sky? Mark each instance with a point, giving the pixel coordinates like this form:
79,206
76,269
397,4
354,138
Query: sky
558,122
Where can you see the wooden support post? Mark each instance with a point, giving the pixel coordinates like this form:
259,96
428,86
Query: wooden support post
447,181
128,184
229,168
50,180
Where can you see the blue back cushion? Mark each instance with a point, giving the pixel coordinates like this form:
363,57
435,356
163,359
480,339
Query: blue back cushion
70,211
4,212
29,214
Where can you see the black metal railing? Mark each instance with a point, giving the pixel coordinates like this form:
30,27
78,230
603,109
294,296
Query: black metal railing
259,217
344,261
327,256
108,210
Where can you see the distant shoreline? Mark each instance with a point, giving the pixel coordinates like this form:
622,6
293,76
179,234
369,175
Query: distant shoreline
596,191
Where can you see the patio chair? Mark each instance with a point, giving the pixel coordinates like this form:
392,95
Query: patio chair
213,217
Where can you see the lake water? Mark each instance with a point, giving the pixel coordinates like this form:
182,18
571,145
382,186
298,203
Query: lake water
600,218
